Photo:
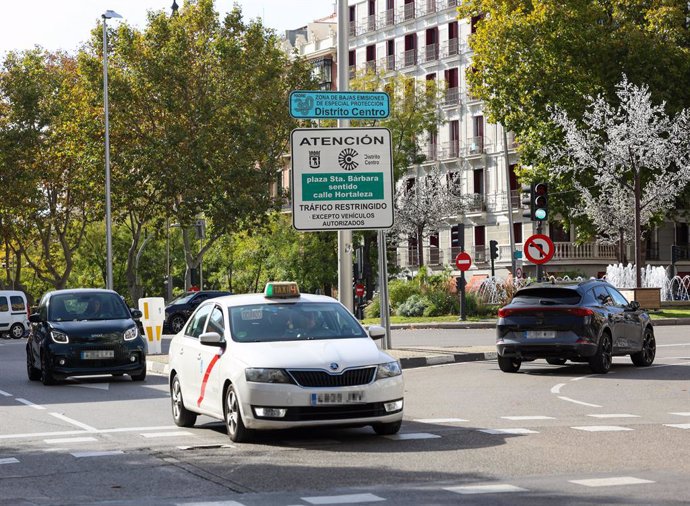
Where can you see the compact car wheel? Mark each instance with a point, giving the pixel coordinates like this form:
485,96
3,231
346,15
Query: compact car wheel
46,376
556,361
508,364
600,363
177,322
181,415
645,357
233,418
17,331
139,377
387,429
33,373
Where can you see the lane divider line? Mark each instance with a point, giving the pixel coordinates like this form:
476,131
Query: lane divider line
29,403
582,403
69,420
5,394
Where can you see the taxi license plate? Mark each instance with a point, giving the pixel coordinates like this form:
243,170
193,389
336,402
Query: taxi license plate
337,398
540,334
97,354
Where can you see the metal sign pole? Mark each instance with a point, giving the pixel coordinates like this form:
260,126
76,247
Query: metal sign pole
383,289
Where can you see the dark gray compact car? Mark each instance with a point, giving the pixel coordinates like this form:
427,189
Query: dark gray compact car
588,321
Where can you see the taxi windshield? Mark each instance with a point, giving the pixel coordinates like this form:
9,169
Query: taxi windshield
292,322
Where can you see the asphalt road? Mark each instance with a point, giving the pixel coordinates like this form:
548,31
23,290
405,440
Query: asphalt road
471,435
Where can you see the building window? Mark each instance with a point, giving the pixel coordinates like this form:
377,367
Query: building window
558,233
517,232
682,234
323,73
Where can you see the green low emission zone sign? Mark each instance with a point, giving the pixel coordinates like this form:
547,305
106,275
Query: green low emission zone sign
339,104
342,178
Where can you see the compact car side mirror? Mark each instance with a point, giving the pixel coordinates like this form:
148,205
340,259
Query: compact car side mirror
136,314
35,318
634,305
211,339
377,332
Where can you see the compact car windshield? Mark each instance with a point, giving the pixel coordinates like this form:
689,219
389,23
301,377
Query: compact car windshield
292,322
95,306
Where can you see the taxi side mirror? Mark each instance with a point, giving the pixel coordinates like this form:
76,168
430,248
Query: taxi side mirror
377,332
211,339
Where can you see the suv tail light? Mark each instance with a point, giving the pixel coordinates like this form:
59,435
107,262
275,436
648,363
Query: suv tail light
575,311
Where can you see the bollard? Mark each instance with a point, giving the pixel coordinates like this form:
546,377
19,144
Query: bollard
153,315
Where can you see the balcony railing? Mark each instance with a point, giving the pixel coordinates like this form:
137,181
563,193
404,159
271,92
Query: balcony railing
353,29
450,48
410,58
430,53
371,23
450,149
476,203
408,11
475,145
432,151
452,97
387,63
387,18
371,66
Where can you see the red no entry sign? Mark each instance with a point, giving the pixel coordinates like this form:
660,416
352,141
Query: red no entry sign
463,261
539,249
359,290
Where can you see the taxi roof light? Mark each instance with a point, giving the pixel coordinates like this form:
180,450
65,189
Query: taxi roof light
281,290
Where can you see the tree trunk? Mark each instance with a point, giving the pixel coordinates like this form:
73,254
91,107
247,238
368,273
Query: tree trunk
134,288
621,246
420,246
638,230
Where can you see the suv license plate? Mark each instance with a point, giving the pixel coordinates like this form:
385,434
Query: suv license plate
337,398
97,354
540,334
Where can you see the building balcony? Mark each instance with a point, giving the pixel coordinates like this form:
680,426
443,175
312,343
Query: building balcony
431,152
450,150
429,53
452,97
387,63
387,19
371,66
475,145
408,12
476,203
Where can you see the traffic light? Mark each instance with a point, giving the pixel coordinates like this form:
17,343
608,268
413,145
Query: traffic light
528,212
493,248
540,196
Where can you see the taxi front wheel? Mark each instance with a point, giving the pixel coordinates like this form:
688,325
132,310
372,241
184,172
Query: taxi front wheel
181,415
237,432
387,429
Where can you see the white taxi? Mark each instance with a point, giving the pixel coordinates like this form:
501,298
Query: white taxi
280,360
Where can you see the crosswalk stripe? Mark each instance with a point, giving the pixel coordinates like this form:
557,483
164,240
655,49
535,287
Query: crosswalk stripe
166,434
602,428
343,499
611,482
412,435
485,489
9,460
80,455
515,431
678,425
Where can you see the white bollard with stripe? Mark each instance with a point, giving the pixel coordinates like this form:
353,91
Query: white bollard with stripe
153,315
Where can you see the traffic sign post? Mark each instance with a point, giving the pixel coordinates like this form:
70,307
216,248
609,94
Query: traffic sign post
463,261
359,290
342,179
339,104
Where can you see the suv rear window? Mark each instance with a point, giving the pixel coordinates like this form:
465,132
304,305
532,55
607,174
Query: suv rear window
547,295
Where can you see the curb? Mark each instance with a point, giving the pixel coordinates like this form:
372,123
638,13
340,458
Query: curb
415,362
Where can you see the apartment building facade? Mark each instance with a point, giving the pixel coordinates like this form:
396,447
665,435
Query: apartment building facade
425,39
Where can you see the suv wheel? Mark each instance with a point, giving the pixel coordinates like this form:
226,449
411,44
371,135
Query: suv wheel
645,357
508,364
601,361
177,322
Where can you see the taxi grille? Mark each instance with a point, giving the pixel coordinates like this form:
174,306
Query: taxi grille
308,413
348,378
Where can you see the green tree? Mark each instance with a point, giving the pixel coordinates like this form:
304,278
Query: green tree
49,170
199,123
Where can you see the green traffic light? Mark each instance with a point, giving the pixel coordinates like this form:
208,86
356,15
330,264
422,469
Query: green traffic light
540,214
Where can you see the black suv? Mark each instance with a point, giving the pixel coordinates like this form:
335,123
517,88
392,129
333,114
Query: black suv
588,321
179,309
82,332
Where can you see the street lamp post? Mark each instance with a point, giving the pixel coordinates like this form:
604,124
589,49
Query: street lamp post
108,222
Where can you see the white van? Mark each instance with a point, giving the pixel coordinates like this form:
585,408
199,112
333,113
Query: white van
14,313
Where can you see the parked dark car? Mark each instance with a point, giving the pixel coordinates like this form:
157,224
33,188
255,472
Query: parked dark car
84,332
588,321
178,310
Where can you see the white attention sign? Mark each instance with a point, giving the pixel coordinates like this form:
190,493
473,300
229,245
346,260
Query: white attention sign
342,178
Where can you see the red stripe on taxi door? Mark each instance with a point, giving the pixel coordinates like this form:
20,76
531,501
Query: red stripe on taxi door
206,375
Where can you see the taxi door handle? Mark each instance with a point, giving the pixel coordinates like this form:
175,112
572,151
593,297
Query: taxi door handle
181,351
198,357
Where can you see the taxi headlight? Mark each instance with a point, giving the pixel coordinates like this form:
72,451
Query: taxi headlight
261,375
59,337
388,370
131,334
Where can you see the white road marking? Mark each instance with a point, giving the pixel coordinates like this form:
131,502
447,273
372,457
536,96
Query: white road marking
77,432
166,434
536,417
678,425
67,419
556,389
509,431
602,428
485,489
29,403
94,386
611,482
579,402
588,376
80,455
440,420
5,394
412,435
213,503
9,460
343,499
70,440
613,415
681,414
671,345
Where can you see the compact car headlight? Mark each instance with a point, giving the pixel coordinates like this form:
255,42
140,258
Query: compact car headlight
59,337
260,375
131,334
388,370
